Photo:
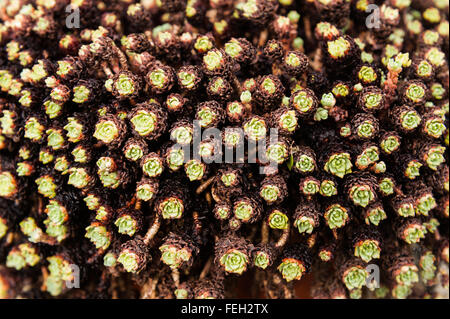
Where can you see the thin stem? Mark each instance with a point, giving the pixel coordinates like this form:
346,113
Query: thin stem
264,233
390,85
121,56
176,277
308,32
132,201
312,240
114,293
276,70
138,204
208,199
287,292
197,224
284,237
148,289
98,253
203,186
437,235
316,63
398,191
153,230
237,85
40,205
107,70
335,234
44,278
206,269
262,38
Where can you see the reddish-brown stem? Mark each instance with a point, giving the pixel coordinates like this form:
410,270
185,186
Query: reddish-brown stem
153,230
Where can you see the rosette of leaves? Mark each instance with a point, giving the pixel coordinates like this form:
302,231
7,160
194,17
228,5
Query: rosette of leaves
110,130
309,186
389,142
86,92
431,154
233,254
99,234
304,160
184,290
425,201
361,189
306,217
182,132
59,212
427,263
375,213
269,91
152,165
273,189
178,251
126,85
134,149
326,248
264,255
147,189
340,53
365,126
371,99
228,183
216,62
367,244
353,273
367,154
408,166
304,102
195,170
403,205
414,92
219,89
222,211
278,218
285,120
61,271
247,209
433,125
160,77
23,255
134,255
209,114
405,118
128,221
295,63
277,151
410,230
336,215
336,160
148,120
401,267
328,185
189,77
295,261
236,111
172,201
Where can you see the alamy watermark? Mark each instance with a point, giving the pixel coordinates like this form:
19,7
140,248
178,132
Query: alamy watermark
74,282
73,19
373,279
373,19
